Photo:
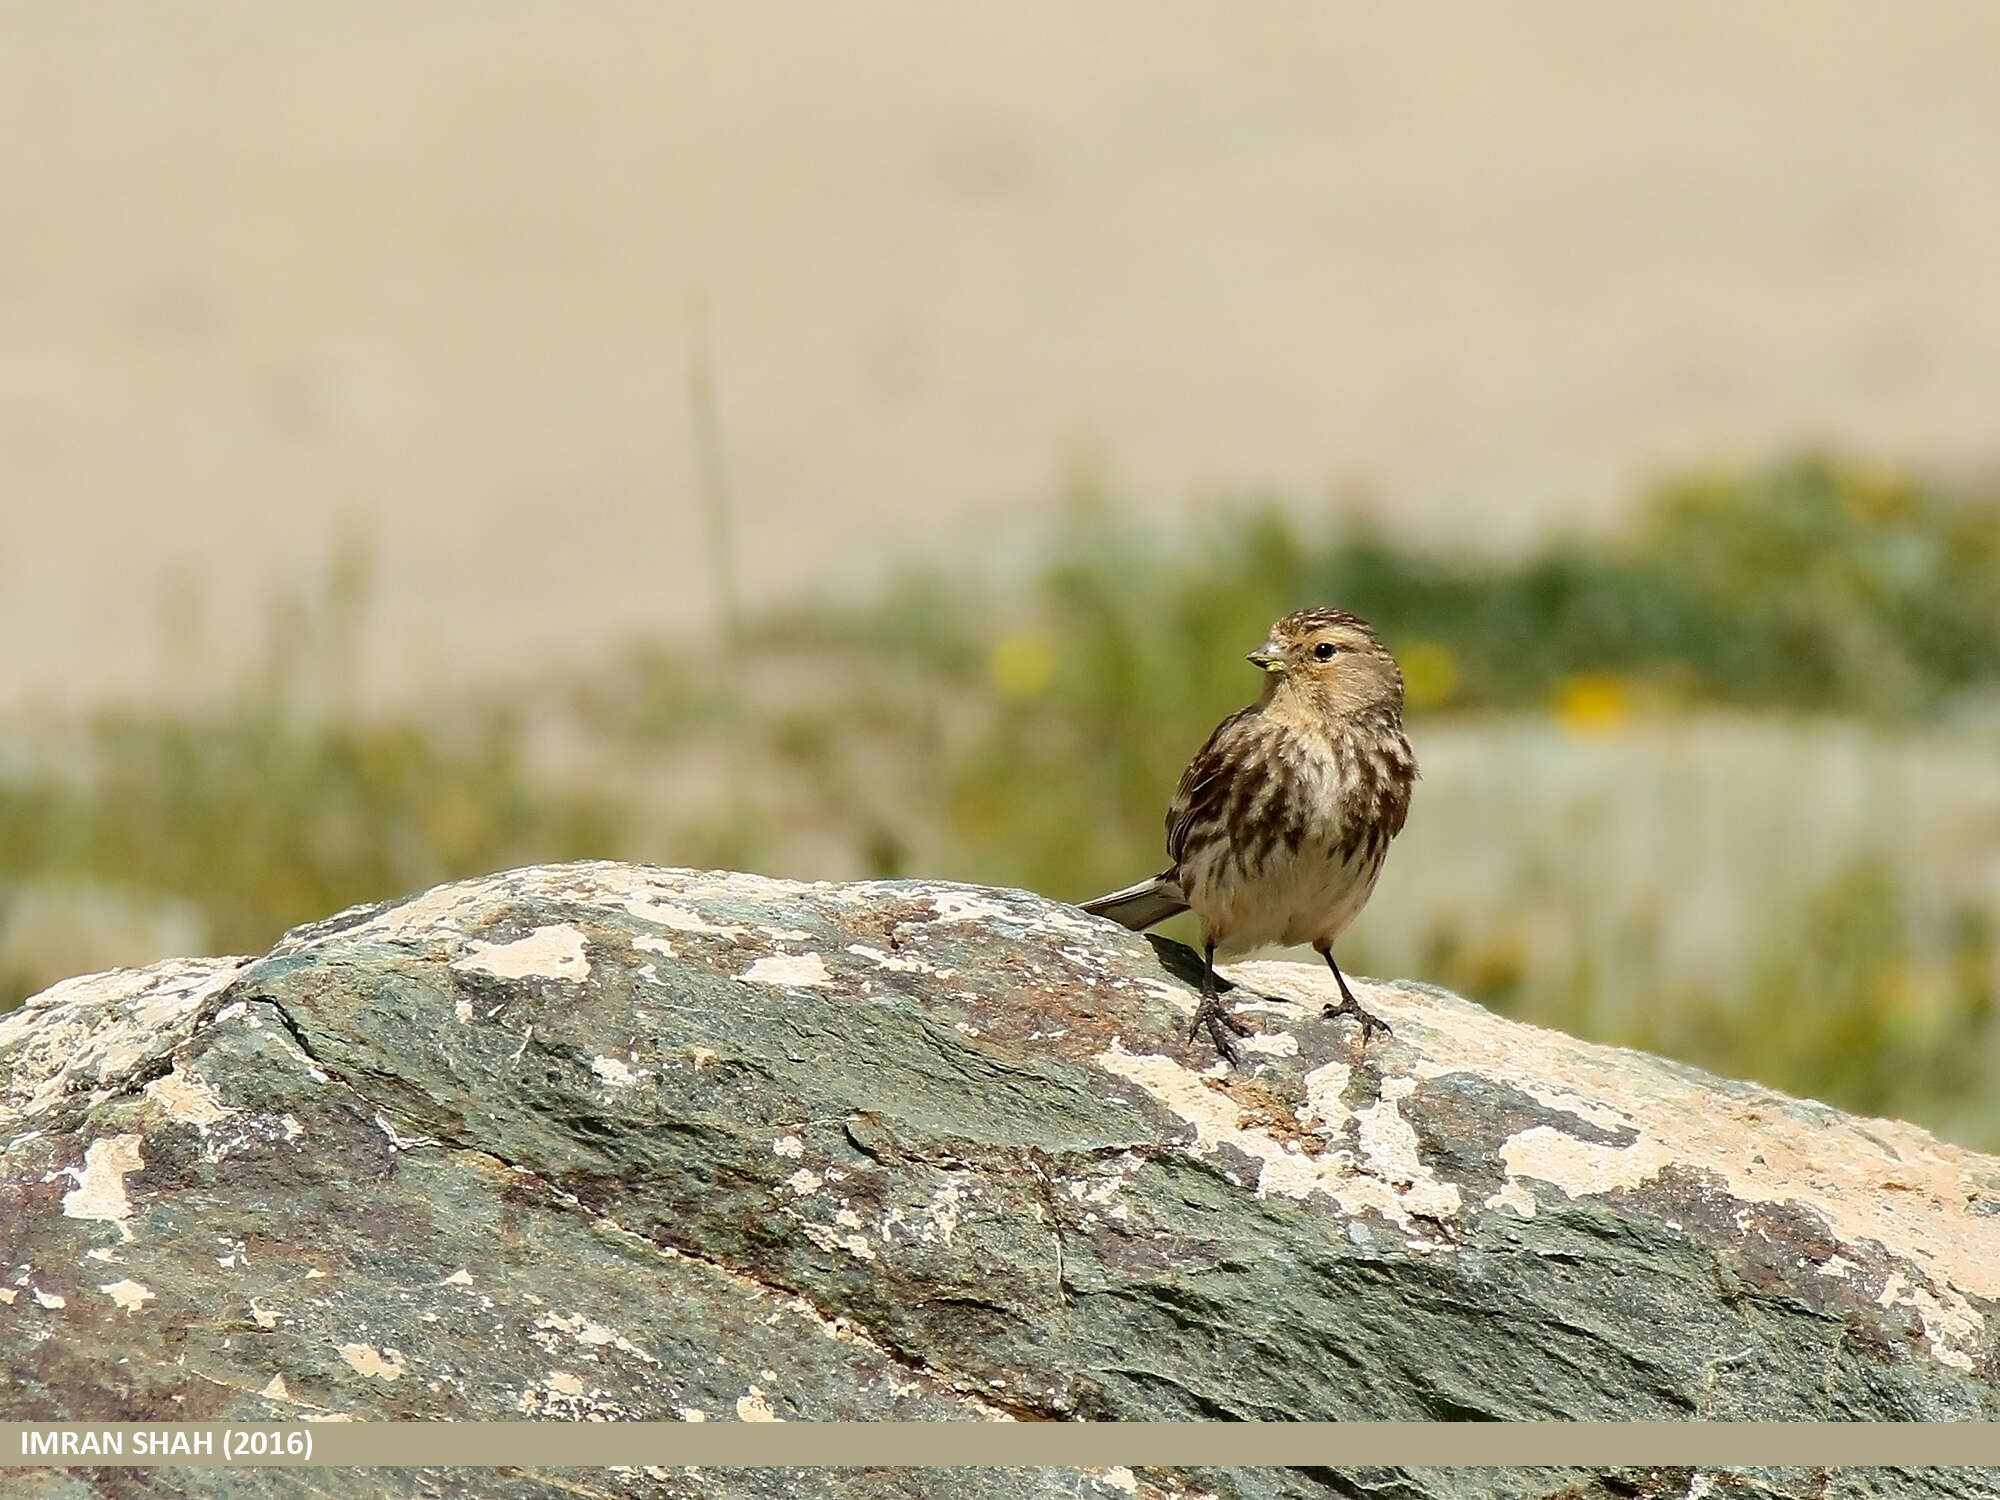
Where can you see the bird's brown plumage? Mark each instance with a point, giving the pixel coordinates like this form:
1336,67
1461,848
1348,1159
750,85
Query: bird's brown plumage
1280,825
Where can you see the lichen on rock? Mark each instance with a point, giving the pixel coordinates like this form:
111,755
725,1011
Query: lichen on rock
610,1142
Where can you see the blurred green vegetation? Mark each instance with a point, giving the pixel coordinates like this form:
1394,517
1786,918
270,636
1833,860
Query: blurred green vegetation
1812,586
1030,733
261,820
1843,1002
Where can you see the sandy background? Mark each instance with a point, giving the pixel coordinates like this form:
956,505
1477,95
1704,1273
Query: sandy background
271,275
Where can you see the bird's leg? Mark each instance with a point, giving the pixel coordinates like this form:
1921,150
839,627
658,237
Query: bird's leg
1209,1016
1349,1006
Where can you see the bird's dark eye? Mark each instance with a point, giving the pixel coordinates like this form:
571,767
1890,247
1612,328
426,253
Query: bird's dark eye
1324,650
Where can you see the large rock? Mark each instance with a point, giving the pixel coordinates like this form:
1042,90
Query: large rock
613,1142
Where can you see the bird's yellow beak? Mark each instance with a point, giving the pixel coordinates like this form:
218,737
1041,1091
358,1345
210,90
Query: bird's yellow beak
1267,656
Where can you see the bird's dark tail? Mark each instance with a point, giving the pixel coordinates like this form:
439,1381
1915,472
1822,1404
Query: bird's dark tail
1140,906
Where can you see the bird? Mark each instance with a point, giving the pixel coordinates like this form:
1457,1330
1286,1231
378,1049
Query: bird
1282,821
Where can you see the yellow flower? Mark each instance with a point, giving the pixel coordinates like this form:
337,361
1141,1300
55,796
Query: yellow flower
1022,664
1593,703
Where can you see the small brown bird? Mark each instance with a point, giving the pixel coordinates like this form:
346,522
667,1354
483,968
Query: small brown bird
1282,820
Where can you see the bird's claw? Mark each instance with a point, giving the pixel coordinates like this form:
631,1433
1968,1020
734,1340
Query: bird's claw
1212,1019
1370,1024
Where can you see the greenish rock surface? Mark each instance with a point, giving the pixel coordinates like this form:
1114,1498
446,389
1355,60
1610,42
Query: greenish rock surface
604,1142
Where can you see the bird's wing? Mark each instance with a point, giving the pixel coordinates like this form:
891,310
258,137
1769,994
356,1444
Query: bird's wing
1204,784
1380,775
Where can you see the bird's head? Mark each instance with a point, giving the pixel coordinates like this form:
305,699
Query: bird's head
1332,660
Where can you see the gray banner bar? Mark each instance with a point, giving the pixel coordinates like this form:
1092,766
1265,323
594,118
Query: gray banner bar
1055,1444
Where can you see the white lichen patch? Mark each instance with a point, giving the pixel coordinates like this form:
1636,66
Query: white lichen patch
1951,1325
591,1334
677,918
855,1245
1605,1116
961,904
383,1364
804,1182
1578,1166
752,1406
790,970
1514,1194
437,913
1179,999
1872,1183
942,1214
1100,1190
552,952
1388,1143
188,1098
765,891
896,963
50,1300
1249,1003
1087,959
969,906
1269,1044
84,1032
128,1294
788,1145
1075,923
615,1072
263,1317
1325,1108
563,1396
100,1184
1284,1167
656,945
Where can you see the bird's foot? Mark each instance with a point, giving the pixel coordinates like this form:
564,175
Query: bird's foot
1349,1006
1213,1018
